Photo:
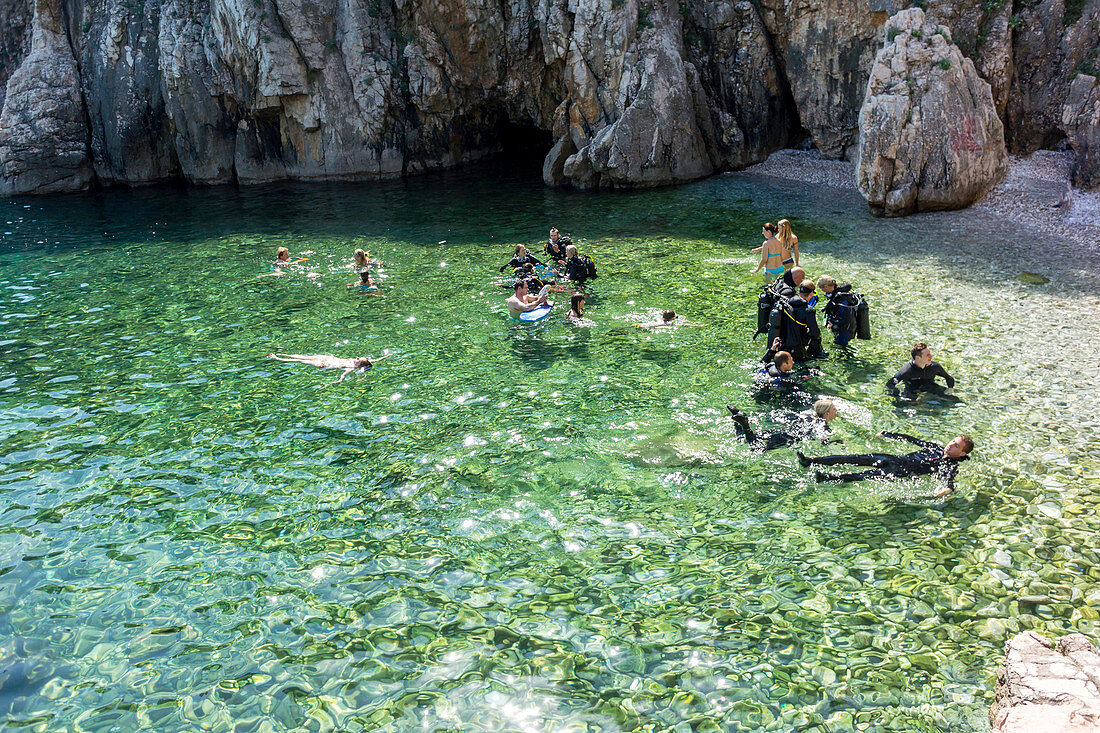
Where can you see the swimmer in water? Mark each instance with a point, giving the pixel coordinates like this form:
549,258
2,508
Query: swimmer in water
931,459
282,258
809,425
576,310
366,283
523,302
668,318
328,361
363,260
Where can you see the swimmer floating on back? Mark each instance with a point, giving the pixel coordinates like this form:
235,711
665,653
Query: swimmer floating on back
328,361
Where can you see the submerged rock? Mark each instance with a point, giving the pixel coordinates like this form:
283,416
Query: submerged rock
1047,688
1032,278
930,137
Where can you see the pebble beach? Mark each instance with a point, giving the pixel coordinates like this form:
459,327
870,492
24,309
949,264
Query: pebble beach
1036,193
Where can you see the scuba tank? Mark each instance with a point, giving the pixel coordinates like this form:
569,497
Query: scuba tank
764,305
863,319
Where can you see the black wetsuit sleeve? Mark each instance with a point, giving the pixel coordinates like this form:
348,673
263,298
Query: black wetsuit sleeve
901,375
940,371
949,479
534,259
513,263
769,356
911,439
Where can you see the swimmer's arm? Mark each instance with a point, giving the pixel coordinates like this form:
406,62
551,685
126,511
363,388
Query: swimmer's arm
345,374
757,249
949,483
911,439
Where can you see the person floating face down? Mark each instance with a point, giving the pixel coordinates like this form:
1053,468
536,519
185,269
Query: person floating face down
808,425
931,459
920,373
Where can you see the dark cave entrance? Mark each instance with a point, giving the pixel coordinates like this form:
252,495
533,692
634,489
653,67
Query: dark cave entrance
523,143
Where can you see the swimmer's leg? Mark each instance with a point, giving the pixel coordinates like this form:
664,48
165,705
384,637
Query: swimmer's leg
860,476
862,459
777,439
742,421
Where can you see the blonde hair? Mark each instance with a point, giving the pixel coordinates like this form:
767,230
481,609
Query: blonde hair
822,407
281,250
360,256
571,250
826,282
785,236
519,247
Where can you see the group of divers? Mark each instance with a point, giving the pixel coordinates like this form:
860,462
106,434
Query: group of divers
786,312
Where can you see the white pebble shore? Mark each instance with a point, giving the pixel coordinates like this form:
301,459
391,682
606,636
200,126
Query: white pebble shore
1027,196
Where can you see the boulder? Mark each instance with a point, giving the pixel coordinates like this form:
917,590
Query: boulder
1081,121
930,137
1047,688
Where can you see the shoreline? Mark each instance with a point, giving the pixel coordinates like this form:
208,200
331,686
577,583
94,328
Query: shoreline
1033,194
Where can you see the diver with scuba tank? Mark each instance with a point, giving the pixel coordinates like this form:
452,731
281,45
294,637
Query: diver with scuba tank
847,314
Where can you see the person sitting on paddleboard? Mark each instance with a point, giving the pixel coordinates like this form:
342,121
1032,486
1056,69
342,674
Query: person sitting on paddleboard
522,302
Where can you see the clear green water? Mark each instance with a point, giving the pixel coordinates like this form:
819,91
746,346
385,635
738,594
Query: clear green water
507,528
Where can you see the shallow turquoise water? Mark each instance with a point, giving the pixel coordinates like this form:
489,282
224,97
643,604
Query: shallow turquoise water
506,527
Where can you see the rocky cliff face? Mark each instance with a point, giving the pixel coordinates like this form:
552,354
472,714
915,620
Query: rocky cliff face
627,92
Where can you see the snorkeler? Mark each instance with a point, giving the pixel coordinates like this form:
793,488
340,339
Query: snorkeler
328,361
931,459
808,425
521,258
920,373
522,302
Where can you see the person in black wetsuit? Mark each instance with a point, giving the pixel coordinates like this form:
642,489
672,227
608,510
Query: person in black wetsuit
576,266
840,310
787,283
931,459
794,322
810,425
920,373
555,246
521,258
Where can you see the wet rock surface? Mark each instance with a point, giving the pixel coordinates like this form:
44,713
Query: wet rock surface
1044,687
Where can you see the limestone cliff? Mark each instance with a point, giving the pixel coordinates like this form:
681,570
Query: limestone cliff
626,92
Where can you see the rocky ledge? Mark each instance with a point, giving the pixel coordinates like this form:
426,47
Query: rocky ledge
1048,688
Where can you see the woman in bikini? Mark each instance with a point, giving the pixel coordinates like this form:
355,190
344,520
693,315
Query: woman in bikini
789,242
771,253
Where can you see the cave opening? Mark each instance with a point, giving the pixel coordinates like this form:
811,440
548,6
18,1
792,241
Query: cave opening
523,142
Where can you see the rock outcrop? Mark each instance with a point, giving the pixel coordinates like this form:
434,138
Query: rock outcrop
624,92
930,137
1081,121
1047,688
43,131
